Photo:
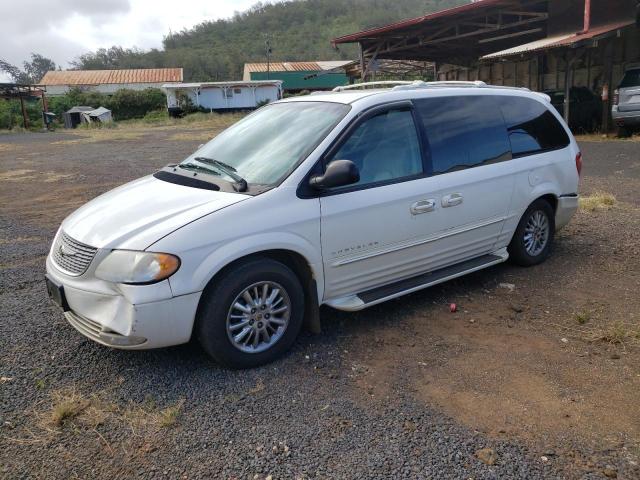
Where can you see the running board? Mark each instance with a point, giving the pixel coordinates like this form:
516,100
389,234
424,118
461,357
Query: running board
378,295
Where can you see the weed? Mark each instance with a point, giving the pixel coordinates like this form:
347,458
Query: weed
67,406
169,416
582,317
615,333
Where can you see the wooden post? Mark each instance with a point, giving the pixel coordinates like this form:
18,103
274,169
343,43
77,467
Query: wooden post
540,70
362,64
25,118
607,76
589,59
568,83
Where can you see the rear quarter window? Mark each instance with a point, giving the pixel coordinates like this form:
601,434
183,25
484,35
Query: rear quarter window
463,132
532,128
631,79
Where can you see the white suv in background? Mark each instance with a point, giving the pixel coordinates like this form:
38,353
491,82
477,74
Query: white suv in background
345,199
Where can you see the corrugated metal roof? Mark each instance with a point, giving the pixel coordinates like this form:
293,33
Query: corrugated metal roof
253,83
354,37
100,77
282,67
558,41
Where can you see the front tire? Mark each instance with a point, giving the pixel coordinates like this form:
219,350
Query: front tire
531,243
251,314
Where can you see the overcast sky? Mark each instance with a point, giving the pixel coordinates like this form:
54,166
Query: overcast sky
64,29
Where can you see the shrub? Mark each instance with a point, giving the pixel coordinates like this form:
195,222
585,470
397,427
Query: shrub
124,104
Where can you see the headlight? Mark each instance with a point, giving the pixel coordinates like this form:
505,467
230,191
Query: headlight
136,268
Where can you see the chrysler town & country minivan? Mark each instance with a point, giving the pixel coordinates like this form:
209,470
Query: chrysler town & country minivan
346,199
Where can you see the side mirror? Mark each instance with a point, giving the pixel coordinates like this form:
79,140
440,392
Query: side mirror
339,173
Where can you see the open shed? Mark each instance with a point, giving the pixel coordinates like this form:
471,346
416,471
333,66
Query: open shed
73,116
544,45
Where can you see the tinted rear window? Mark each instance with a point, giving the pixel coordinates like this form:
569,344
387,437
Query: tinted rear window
532,127
631,79
463,132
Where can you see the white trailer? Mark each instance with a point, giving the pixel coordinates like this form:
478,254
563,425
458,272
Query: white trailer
222,95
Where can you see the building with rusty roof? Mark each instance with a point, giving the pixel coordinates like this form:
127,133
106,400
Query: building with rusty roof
297,76
59,82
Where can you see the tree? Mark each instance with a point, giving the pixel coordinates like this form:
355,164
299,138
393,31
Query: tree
32,71
38,66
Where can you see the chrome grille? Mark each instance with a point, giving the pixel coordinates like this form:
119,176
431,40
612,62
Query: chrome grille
72,256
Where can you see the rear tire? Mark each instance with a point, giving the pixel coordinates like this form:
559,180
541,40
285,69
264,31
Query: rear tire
240,301
531,243
624,132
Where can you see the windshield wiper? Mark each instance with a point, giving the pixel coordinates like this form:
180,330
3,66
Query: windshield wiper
241,183
194,166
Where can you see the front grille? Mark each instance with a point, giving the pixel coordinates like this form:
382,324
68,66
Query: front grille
72,256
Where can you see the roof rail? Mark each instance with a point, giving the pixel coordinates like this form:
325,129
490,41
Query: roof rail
385,83
421,84
417,84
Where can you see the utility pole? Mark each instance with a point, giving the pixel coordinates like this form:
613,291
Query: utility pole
267,44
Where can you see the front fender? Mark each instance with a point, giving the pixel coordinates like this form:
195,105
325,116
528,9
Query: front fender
207,265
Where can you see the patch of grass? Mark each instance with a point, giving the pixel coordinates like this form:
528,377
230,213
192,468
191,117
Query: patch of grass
70,406
67,406
9,147
194,120
202,136
616,333
169,416
582,317
597,201
101,135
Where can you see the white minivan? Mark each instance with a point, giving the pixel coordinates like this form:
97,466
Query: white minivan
345,199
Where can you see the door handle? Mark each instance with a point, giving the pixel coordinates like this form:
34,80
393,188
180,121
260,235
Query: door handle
423,206
451,200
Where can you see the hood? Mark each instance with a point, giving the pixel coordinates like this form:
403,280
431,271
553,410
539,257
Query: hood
139,213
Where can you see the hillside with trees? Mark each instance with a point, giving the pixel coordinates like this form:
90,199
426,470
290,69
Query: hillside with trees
296,30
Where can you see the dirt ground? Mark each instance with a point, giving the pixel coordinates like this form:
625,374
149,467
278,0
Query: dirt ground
546,358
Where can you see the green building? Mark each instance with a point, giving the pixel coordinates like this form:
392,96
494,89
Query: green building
297,76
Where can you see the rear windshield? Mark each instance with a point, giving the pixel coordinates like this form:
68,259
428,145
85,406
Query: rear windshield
631,79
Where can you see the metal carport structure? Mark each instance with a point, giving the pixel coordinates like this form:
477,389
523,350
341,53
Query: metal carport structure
12,91
538,44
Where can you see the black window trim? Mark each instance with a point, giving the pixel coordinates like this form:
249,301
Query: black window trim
550,109
304,191
515,156
486,163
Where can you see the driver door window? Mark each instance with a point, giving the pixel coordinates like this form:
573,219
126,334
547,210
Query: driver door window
385,148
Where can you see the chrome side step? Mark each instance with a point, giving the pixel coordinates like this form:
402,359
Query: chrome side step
381,294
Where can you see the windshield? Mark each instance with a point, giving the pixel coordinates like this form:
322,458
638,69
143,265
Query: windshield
266,146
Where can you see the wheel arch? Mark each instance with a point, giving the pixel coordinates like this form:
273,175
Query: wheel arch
551,198
300,266
548,195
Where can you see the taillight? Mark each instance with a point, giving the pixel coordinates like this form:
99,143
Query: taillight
616,97
579,163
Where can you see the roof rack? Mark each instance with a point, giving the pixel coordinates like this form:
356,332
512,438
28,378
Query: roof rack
421,84
385,83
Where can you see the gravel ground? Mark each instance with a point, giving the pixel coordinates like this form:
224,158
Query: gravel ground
349,403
